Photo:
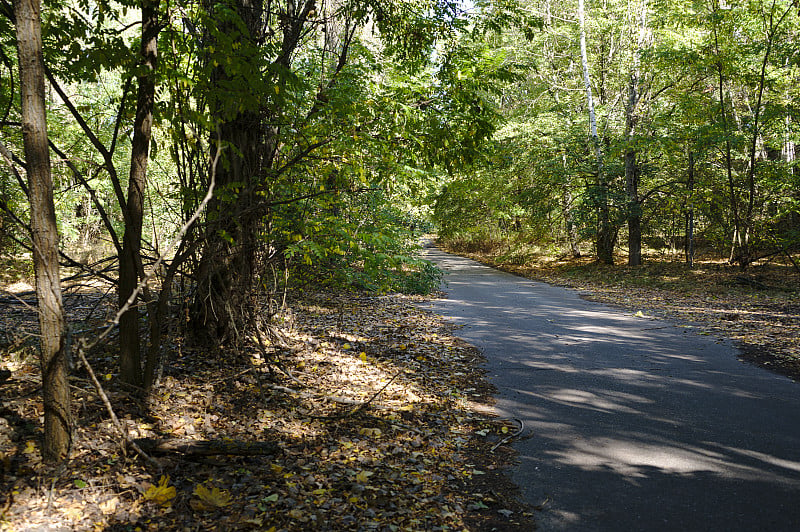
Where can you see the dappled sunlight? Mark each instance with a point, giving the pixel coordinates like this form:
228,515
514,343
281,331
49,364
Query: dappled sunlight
605,330
630,459
637,456
623,410
762,457
588,400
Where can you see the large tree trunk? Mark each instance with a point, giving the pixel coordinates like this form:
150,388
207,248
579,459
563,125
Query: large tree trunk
234,241
227,269
55,389
605,234
130,261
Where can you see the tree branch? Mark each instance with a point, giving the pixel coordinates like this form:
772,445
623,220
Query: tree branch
101,392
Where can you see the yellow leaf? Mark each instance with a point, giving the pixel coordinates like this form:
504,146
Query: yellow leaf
363,356
363,477
347,346
209,499
30,448
162,493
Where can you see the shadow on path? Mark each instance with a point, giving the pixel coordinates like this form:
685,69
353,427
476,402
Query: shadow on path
634,423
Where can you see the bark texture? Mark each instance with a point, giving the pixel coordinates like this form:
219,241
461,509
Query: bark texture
235,245
632,170
55,389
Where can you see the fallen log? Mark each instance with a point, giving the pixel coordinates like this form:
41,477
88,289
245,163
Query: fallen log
206,447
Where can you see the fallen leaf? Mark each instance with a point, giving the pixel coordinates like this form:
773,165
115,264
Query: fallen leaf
162,493
109,507
363,477
209,500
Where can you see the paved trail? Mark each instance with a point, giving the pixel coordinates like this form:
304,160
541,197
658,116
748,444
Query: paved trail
636,424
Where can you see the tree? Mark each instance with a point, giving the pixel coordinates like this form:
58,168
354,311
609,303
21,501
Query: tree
605,238
131,269
44,233
632,170
290,120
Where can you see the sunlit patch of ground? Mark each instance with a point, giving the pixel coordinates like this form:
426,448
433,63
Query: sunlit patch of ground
368,401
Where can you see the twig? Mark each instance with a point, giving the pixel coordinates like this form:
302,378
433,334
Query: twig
27,305
376,394
122,429
510,436
223,379
359,405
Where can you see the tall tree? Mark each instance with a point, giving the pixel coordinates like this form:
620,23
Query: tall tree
228,266
600,194
632,170
44,232
131,269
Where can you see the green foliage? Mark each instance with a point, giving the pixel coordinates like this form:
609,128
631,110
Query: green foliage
538,177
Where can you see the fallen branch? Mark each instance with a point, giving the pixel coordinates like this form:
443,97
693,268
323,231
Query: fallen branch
510,436
359,405
206,447
101,392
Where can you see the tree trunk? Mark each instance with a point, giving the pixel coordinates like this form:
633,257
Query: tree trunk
744,257
226,273
233,241
605,236
734,204
130,261
55,389
632,171
689,244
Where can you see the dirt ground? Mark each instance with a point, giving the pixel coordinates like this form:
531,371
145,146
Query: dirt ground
362,413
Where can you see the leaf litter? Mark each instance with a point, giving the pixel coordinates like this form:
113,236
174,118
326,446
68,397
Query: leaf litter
379,417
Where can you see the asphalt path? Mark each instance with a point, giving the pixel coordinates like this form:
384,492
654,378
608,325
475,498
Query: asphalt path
632,423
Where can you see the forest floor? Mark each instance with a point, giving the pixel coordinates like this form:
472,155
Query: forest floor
377,418
758,308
